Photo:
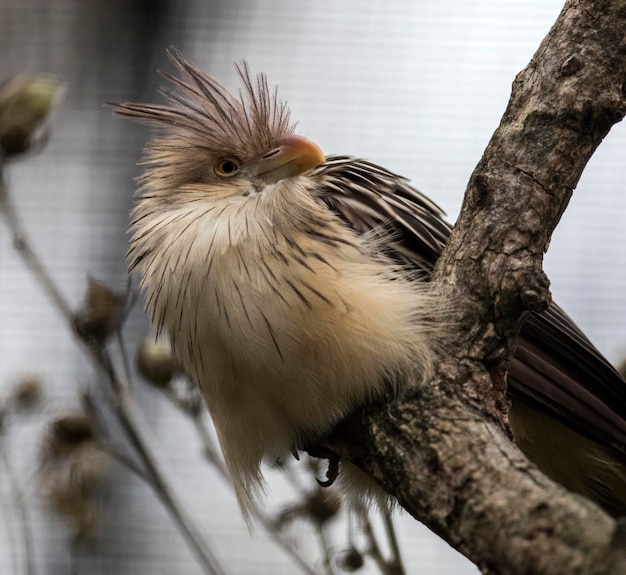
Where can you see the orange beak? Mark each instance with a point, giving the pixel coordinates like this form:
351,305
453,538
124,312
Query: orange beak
292,156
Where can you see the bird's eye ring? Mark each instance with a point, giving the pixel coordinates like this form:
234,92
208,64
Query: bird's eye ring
226,167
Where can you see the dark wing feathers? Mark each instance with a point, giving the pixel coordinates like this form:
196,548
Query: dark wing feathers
556,369
368,196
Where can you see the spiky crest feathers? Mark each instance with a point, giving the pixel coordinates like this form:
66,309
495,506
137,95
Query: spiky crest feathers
203,120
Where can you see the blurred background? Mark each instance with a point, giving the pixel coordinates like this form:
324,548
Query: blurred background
418,87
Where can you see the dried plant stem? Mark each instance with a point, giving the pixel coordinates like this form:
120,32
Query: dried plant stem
212,455
328,564
395,565
124,408
29,257
132,421
125,358
373,547
24,523
396,557
112,450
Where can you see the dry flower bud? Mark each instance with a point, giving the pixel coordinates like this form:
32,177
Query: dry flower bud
69,431
350,560
155,362
25,104
102,313
27,392
72,468
323,505
319,507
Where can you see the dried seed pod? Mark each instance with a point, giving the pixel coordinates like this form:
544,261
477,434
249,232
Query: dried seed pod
27,392
318,507
102,313
72,469
25,104
69,431
155,362
350,560
323,505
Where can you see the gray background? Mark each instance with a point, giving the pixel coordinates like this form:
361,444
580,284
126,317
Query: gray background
417,87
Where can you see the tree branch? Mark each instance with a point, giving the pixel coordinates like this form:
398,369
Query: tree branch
441,449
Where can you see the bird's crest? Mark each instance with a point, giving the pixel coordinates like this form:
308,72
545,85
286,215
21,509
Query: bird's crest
202,114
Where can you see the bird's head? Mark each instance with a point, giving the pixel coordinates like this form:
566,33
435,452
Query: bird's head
216,142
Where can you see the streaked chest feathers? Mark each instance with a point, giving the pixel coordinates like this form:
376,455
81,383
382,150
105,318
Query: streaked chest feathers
285,318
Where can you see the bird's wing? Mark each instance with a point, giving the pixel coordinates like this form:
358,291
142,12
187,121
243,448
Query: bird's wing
555,369
369,197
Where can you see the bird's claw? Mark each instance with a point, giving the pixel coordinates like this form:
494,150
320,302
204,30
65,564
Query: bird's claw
331,473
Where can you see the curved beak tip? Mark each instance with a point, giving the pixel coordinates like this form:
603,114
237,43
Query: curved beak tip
305,154
294,155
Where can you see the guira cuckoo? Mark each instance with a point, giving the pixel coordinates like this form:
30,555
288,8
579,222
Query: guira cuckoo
293,287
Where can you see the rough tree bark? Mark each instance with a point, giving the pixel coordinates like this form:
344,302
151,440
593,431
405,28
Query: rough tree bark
443,451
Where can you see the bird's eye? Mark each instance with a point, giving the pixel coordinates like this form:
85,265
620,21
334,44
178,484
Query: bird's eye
226,167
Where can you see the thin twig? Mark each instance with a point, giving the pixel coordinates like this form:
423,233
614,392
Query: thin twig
268,525
208,447
372,543
396,557
125,359
10,531
94,413
18,499
22,245
328,564
112,450
135,428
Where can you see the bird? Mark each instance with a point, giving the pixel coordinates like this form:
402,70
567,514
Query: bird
293,288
